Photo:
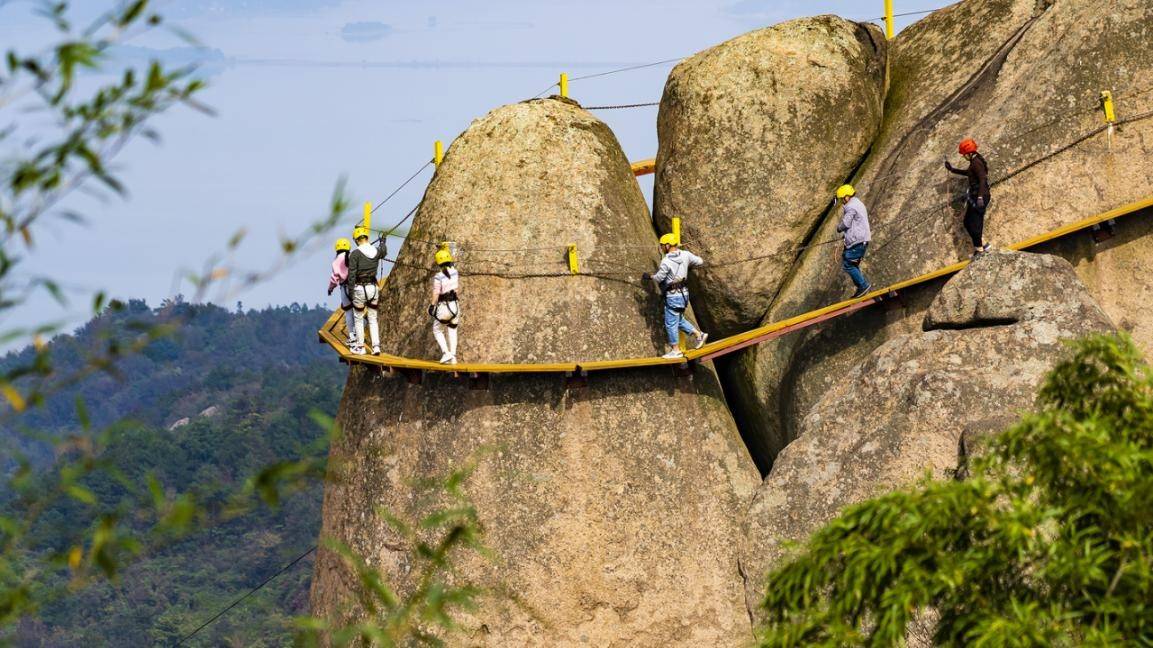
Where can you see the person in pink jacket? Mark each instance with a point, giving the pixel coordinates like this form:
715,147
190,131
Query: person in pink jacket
339,279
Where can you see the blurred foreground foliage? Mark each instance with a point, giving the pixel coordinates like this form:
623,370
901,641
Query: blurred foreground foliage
105,495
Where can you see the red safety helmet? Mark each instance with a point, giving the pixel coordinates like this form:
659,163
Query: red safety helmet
967,146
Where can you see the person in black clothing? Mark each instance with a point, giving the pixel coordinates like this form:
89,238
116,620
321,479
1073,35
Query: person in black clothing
363,263
977,197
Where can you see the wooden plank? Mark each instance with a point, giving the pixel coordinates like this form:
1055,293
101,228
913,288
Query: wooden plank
856,306
630,363
1065,230
720,347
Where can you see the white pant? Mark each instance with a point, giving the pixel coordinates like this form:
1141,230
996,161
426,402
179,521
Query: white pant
446,316
364,303
349,320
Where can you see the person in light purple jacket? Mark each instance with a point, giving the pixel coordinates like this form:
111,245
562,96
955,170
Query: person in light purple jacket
855,226
339,279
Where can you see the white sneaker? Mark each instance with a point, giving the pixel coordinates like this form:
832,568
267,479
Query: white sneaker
447,359
452,360
702,337
675,353
357,350
375,350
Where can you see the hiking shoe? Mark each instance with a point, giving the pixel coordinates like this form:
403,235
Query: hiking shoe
861,292
375,350
357,350
702,337
447,359
452,360
672,355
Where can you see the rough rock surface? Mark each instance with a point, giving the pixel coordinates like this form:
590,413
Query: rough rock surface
755,135
991,335
1025,88
613,510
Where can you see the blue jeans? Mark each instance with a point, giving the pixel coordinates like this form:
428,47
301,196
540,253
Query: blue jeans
675,305
851,263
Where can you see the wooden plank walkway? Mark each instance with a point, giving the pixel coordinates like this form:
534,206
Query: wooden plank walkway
329,334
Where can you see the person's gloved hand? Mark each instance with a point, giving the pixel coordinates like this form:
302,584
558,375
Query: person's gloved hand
330,291
947,165
646,277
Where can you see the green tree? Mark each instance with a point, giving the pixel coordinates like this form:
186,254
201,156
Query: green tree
1048,541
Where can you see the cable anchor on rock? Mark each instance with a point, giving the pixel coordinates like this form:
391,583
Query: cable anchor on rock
1110,114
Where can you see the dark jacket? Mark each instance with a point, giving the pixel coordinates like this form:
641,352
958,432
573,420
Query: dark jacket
364,261
978,174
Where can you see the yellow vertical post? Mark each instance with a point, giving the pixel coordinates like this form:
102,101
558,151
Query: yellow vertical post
573,262
437,152
889,19
677,230
367,222
1108,107
563,84
1110,113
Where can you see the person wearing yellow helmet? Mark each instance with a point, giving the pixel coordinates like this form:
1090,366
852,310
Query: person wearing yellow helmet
854,226
445,309
672,278
363,265
339,279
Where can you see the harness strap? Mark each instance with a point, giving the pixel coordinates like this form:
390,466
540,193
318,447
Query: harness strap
453,309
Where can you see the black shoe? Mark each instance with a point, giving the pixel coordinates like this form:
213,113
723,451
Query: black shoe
861,292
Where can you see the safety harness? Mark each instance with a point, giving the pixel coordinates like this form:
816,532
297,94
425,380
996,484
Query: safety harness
449,299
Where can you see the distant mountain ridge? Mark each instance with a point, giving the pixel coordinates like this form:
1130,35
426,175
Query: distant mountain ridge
245,384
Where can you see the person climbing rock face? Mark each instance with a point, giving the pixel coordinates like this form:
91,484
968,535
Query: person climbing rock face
339,279
672,278
855,227
977,195
363,263
444,309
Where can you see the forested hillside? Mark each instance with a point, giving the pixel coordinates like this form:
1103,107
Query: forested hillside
201,410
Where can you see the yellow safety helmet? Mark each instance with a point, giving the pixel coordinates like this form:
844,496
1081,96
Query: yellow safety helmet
343,245
359,232
669,239
443,256
846,191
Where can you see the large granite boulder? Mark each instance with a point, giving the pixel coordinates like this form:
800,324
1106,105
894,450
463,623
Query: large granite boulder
906,411
613,511
1023,78
755,135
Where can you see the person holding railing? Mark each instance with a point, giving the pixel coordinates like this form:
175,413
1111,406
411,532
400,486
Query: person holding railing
673,278
363,264
854,226
977,196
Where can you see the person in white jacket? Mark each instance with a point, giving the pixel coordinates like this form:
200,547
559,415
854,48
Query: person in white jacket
672,278
445,309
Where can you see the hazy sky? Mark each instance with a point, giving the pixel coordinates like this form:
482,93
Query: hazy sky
308,91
